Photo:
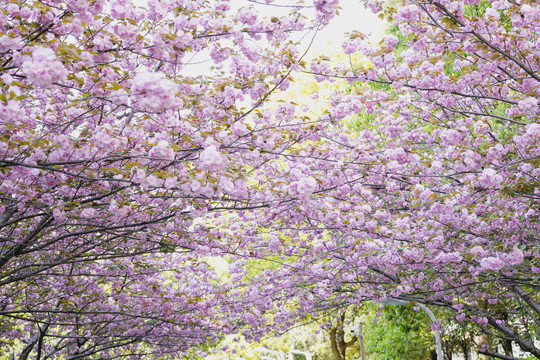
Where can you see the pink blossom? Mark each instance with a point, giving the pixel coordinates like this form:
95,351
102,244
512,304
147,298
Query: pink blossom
530,13
326,6
391,41
478,251
79,6
408,12
492,14
273,242
9,43
211,159
226,185
445,258
59,215
350,46
514,258
318,269
170,182
436,165
162,151
239,129
533,129
88,213
482,321
44,68
528,104
154,92
306,186
492,263
451,137
490,178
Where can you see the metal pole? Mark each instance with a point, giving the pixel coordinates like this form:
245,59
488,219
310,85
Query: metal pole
361,338
437,335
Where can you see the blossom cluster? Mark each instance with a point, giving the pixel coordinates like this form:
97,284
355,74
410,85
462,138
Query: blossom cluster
154,92
44,68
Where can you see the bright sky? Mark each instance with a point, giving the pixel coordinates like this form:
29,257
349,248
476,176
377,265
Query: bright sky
352,16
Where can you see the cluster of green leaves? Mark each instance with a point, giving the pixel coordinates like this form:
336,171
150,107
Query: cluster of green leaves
400,332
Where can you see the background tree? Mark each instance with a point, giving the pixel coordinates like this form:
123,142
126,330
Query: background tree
399,331
111,146
110,151
340,341
437,200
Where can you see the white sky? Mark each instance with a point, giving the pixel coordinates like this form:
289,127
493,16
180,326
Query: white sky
352,16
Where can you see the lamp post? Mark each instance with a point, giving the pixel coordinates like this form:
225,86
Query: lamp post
431,316
361,338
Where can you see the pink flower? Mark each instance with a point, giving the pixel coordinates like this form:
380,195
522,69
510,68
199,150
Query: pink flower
154,92
273,242
533,129
477,251
513,258
80,6
448,258
391,41
239,129
317,269
490,178
8,43
247,16
350,46
162,151
492,14
170,182
59,215
88,213
450,137
306,186
492,263
528,104
326,6
44,68
211,159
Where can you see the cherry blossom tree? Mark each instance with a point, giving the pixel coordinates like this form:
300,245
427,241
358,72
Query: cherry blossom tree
113,143
123,172
435,197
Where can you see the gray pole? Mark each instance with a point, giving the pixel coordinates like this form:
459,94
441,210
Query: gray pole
361,338
431,316
437,335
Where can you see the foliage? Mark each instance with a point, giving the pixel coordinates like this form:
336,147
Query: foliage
399,332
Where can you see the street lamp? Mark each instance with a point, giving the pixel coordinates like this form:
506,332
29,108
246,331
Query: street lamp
431,316
361,338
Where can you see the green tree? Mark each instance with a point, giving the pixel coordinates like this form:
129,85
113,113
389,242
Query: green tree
399,332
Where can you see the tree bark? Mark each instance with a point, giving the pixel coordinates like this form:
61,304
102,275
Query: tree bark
483,338
337,339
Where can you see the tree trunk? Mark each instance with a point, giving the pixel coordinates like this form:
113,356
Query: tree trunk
507,346
337,339
483,338
465,348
